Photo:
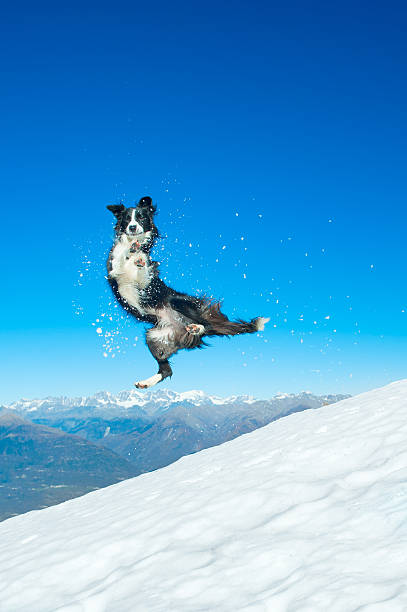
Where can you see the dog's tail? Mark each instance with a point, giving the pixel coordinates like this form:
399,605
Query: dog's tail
217,324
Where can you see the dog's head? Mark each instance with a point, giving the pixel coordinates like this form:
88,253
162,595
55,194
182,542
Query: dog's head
135,219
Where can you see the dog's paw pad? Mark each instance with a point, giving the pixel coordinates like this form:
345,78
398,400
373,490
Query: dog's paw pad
195,329
149,382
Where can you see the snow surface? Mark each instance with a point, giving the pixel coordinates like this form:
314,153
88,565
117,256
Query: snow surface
308,513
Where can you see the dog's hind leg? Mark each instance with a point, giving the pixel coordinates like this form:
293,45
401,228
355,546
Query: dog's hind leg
195,329
164,370
160,351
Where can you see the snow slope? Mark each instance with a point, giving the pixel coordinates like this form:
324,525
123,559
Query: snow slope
307,514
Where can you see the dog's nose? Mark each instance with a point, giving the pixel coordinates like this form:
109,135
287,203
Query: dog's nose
133,229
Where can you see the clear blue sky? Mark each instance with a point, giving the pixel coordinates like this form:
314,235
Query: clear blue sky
275,130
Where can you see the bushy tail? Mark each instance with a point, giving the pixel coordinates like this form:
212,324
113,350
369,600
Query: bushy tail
217,324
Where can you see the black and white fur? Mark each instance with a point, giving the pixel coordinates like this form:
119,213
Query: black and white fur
178,320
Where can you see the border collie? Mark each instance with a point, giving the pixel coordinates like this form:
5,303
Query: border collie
179,321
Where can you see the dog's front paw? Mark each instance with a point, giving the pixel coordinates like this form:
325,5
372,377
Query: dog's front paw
135,246
139,262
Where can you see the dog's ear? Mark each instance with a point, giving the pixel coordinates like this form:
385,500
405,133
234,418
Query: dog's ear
116,209
147,203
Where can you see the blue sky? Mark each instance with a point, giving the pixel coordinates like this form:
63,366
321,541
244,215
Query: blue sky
272,138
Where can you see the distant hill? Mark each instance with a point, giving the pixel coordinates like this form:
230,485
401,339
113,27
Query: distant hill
41,466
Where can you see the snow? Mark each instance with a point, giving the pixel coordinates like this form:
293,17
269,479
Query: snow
306,514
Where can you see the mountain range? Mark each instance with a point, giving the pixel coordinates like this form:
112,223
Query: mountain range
152,402
155,428
57,448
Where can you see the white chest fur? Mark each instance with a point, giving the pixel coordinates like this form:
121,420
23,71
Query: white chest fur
132,294
132,279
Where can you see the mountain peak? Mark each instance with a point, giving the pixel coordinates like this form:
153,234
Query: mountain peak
9,418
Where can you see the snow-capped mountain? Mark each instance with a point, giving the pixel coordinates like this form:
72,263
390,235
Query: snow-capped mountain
307,513
124,400
151,401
